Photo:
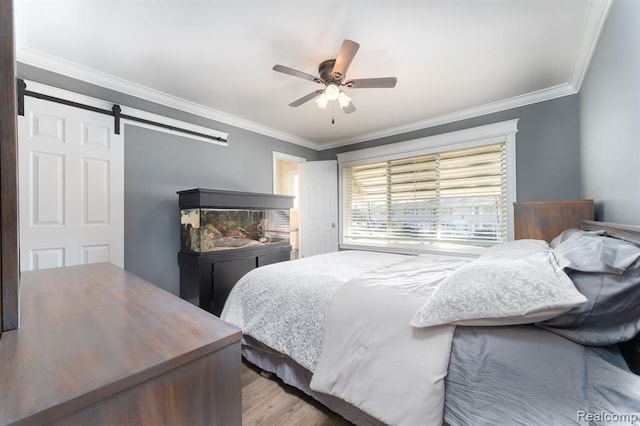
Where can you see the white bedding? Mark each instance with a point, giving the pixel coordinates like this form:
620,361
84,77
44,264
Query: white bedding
379,363
285,306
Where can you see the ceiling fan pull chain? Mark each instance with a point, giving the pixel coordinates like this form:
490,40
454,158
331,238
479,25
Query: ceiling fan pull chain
333,113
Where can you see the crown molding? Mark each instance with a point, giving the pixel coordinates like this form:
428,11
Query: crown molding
88,75
510,103
594,21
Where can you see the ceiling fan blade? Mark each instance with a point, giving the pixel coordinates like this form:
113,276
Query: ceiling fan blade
349,108
372,83
296,73
306,98
345,56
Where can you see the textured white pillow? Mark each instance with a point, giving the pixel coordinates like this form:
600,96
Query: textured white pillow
516,249
500,292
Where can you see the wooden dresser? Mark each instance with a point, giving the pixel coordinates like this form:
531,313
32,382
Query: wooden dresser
545,220
98,345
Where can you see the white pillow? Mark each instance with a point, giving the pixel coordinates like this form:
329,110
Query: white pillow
516,249
500,292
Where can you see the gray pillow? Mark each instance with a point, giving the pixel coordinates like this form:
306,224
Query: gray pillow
594,252
565,235
612,311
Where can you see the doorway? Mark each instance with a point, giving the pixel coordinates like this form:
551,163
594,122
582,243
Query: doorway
287,181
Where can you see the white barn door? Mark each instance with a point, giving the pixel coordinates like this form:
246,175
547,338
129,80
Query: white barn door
71,183
319,209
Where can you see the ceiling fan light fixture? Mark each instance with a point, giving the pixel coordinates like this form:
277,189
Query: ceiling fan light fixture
332,92
343,100
332,72
322,101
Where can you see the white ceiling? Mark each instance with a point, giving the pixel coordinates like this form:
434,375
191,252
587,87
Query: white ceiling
453,59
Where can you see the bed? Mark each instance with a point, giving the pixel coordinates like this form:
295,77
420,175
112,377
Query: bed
374,336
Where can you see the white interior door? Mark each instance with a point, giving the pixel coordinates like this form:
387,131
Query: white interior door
71,183
319,209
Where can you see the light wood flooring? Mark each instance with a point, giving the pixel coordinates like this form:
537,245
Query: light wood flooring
268,401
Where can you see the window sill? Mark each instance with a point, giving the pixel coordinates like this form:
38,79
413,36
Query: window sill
434,248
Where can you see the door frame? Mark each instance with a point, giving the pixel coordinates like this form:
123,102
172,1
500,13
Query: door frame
286,157
274,168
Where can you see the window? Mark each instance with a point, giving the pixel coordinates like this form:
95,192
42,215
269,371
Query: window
441,192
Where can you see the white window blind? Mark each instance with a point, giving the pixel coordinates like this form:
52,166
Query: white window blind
451,196
277,224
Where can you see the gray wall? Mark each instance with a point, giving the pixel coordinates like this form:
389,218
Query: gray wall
547,147
159,164
610,118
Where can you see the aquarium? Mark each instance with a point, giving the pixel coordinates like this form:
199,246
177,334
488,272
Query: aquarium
206,230
214,220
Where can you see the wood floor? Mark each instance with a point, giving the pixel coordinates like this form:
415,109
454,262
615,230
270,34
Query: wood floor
268,401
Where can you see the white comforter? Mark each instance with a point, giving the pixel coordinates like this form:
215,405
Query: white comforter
283,305
371,358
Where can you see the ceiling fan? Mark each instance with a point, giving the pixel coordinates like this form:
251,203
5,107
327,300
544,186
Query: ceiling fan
332,76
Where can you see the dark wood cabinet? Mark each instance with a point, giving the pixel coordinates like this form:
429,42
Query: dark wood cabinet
100,346
9,237
207,279
215,225
224,275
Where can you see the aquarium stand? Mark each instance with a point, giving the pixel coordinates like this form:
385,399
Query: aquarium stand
224,235
207,279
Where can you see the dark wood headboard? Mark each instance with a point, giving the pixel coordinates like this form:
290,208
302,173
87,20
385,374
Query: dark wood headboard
545,220
630,349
